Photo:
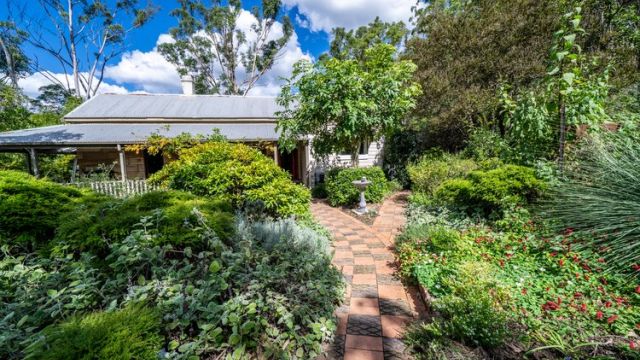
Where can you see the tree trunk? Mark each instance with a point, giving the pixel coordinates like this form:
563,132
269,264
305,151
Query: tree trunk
9,60
563,120
355,157
72,46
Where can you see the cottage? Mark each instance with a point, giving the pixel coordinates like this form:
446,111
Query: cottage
99,130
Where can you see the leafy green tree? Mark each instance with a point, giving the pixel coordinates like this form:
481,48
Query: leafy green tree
13,61
210,45
465,50
52,98
352,44
342,103
83,36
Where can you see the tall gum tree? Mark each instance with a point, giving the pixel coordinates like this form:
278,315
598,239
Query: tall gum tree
223,57
82,37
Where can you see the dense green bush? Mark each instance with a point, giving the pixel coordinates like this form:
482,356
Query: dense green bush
237,173
30,208
98,220
431,171
340,189
130,333
493,190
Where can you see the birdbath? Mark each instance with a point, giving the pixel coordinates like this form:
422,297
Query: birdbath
361,185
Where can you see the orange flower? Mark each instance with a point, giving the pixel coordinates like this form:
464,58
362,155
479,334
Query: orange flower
612,318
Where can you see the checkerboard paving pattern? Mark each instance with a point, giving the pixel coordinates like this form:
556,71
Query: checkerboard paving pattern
377,305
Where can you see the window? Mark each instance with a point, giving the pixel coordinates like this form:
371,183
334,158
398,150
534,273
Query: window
364,149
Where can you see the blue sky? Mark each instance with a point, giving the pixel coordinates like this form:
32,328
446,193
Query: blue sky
142,69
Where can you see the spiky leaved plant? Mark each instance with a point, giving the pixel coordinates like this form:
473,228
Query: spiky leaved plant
600,199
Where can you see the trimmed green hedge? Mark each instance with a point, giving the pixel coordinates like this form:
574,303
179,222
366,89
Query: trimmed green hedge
340,189
237,173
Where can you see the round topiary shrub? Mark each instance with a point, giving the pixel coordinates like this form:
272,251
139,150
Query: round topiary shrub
30,208
130,333
99,220
492,190
238,173
340,189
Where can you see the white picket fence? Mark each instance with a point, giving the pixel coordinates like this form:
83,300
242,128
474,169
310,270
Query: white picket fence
118,189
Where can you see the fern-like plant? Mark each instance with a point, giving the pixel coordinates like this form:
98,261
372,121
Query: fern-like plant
600,200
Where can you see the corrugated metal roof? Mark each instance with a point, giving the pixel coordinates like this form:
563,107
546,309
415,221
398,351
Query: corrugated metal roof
112,134
155,106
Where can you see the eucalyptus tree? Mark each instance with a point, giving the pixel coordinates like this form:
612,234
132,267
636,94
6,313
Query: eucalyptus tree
222,55
13,61
82,37
342,103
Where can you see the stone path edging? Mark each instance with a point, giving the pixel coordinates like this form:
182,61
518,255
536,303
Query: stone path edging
377,306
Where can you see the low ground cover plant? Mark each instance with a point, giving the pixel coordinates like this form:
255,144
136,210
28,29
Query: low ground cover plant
176,289
340,190
237,173
511,287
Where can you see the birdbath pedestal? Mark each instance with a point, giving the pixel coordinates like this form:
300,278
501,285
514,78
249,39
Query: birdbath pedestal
361,185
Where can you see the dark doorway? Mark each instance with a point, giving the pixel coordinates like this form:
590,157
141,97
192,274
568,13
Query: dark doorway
152,163
291,163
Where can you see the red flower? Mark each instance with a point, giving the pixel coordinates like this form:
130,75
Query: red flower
576,258
524,247
524,291
607,304
561,262
632,345
586,267
501,263
509,255
587,277
601,260
550,306
603,281
635,267
619,300
612,318
599,315
638,290
583,307
577,275
577,295
568,231
553,254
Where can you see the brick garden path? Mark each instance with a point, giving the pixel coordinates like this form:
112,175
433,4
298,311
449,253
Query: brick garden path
377,306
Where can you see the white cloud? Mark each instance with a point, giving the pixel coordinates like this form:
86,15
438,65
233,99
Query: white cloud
151,72
146,71
33,82
326,14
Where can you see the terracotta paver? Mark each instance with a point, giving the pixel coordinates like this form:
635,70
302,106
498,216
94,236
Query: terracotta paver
377,306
